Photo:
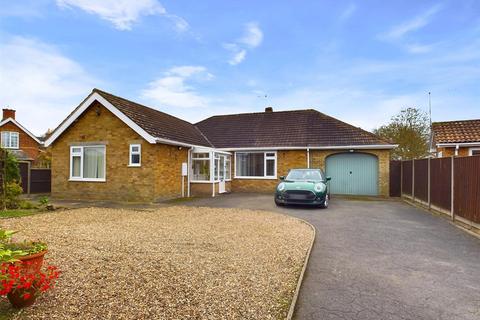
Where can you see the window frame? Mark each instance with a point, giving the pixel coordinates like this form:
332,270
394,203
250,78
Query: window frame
265,158
131,153
82,155
10,133
209,159
470,150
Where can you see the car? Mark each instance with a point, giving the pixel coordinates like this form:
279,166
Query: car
303,186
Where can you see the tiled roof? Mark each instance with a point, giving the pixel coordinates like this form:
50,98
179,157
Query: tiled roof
157,123
456,131
299,128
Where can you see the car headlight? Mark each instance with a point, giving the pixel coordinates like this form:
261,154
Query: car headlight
319,187
281,186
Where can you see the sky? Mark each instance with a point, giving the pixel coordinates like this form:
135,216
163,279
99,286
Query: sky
359,61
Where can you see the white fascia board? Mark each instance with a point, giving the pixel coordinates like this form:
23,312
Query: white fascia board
21,127
97,97
464,144
379,146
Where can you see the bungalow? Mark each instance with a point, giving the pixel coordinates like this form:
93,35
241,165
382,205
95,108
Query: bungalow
456,138
113,148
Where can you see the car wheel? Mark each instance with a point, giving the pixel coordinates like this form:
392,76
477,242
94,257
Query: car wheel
324,205
278,204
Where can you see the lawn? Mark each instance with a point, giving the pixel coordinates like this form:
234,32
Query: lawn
170,263
14,213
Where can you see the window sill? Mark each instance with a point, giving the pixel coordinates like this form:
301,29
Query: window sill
134,166
87,180
257,178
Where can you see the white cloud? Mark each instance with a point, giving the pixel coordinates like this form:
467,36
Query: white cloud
253,35
124,13
172,90
251,38
412,25
41,83
238,57
348,12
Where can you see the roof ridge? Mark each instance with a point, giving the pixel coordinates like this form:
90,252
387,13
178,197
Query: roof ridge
138,104
453,121
258,112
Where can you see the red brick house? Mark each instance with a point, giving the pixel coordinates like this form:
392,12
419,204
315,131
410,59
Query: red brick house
17,139
456,138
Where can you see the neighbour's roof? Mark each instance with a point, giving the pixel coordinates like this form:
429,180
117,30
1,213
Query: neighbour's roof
157,123
462,131
20,154
299,128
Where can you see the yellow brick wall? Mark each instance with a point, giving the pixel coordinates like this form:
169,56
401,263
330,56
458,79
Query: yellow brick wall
317,160
286,160
159,176
205,189
450,152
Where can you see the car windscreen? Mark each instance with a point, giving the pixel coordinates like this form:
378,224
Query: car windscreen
304,175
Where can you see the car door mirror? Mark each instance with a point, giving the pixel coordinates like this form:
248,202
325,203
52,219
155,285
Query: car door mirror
329,178
282,177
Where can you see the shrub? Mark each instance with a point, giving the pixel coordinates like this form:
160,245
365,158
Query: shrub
11,197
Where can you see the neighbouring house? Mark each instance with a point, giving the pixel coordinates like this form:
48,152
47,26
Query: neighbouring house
456,138
113,148
17,139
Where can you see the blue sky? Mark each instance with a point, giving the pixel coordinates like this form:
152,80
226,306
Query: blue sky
359,61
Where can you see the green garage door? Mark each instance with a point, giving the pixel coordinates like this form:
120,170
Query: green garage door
353,173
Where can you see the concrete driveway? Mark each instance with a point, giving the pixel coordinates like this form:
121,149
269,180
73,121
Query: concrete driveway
380,260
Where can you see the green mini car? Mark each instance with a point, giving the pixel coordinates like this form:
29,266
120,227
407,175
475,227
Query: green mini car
303,186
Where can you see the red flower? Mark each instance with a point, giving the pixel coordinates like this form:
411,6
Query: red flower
27,296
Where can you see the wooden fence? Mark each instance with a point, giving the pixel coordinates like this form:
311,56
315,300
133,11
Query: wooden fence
450,185
34,180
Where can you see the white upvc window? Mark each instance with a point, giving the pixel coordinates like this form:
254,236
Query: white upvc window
474,152
87,163
201,166
256,165
135,156
10,140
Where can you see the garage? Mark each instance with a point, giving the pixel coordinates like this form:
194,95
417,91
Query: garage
353,173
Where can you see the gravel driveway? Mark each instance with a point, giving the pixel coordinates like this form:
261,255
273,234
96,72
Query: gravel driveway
171,263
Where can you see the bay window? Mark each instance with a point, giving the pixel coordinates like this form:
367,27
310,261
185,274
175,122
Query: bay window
256,165
87,163
201,166
10,140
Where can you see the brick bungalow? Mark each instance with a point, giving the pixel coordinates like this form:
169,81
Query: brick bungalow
113,148
456,138
17,139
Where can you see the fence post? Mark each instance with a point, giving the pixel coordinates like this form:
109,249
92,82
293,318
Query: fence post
428,192
413,180
452,211
29,177
401,178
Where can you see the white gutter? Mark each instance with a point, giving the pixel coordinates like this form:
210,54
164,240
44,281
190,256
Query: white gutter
455,144
308,158
367,146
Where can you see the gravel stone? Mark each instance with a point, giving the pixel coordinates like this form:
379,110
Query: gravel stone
168,263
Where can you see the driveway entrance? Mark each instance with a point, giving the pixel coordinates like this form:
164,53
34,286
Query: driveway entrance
380,260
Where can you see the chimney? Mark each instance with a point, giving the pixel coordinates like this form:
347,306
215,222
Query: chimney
268,109
8,113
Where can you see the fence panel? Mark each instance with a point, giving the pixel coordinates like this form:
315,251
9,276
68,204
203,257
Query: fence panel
40,180
467,188
407,177
395,178
421,179
441,183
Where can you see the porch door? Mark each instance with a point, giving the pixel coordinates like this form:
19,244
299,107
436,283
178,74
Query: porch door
221,174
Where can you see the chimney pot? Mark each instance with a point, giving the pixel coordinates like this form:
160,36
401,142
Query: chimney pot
8,113
268,109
